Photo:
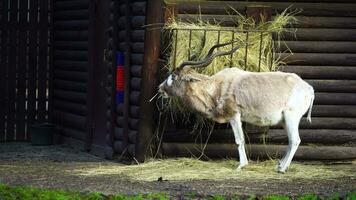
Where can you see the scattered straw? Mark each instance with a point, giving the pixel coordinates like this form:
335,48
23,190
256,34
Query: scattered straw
193,169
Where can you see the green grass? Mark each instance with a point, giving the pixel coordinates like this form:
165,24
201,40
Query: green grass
28,193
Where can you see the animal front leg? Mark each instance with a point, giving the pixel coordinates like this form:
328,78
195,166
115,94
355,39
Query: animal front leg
239,139
291,126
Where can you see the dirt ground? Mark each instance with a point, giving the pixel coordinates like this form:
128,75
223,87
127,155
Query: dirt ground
61,166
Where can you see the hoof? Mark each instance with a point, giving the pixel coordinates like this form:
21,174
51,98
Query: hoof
281,170
240,167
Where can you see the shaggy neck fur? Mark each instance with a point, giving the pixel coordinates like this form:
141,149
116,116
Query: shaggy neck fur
205,96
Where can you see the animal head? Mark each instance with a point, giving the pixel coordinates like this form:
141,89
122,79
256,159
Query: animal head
178,80
184,74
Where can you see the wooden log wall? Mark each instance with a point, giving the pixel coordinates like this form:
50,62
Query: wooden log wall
324,55
70,63
130,40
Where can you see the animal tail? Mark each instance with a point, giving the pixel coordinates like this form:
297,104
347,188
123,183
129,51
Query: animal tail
310,108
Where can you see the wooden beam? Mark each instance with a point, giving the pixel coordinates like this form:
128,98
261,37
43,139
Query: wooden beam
260,151
149,78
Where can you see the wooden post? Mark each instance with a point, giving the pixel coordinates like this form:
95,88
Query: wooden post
149,78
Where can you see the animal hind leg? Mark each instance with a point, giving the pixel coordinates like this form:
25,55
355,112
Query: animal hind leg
291,121
239,139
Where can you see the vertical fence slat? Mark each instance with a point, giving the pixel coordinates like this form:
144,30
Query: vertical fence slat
232,47
3,67
42,68
50,62
12,71
21,70
246,49
32,62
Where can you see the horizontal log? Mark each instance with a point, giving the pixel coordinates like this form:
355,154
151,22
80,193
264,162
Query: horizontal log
318,46
135,98
222,20
137,8
108,114
123,45
137,47
135,84
71,24
309,9
260,151
273,136
70,55
71,45
138,22
136,70
70,85
71,35
131,150
108,92
70,120
319,136
334,111
302,21
121,22
318,59
118,146
70,107
120,121
119,133
79,14
335,99
135,111
328,123
347,86
108,140
325,22
71,5
81,66
120,109
70,75
136,35
314,34
79,135
75,97
134,123
132,136
322,72
137,59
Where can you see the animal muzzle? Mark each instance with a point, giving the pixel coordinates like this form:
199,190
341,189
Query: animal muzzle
163,89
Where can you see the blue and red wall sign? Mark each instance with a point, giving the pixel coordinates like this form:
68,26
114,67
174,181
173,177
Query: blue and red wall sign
120,77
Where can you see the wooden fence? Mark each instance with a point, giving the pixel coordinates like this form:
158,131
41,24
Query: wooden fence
25,66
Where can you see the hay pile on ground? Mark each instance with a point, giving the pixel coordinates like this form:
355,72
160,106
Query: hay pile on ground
192,169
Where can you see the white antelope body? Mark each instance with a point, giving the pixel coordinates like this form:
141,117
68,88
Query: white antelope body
233,95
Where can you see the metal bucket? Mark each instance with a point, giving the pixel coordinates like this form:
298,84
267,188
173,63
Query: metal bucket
42,133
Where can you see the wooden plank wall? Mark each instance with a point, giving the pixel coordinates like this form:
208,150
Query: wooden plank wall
70,63
130,39
324,55
25,66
